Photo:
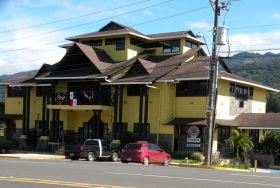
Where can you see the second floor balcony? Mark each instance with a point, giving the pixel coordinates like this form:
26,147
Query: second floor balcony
82,98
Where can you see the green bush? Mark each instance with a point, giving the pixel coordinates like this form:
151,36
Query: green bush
197,156
237,163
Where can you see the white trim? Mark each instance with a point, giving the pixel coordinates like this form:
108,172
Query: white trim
249,83
270,128
67,78
198,78
111,34
31,84
126,83
164,81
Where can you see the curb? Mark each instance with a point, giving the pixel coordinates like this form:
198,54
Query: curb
210,167
33,157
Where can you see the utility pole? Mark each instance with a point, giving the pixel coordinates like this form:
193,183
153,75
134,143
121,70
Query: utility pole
212,87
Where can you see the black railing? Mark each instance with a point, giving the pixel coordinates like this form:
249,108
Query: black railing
82,98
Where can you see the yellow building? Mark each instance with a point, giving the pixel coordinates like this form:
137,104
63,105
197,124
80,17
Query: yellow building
122,85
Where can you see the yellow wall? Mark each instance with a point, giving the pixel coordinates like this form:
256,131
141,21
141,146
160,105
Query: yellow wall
35,108
223,100
192,107
13,105
132,50
259,101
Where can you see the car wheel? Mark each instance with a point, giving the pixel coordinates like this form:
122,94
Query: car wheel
114,157
90,156
4,150
74,158
146,161
166,161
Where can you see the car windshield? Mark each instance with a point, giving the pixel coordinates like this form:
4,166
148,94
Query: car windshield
133,147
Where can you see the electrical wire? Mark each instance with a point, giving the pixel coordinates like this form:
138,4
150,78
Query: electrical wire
75,17
83,24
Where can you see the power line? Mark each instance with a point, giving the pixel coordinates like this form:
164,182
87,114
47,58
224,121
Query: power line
154,20
72,18
83,24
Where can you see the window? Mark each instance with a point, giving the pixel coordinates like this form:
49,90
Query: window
171,46
91,143
119,42
191,88
223,134
232,88
191,44
15,92
251,92
154,147
41,90
93,42
241,92
133,147
136,42
135,90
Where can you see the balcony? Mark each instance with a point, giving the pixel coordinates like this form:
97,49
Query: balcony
82,98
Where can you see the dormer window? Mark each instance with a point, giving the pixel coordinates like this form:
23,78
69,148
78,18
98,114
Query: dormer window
171,46
119,42
191,44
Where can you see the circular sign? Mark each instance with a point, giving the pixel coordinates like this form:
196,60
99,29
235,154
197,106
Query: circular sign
193,131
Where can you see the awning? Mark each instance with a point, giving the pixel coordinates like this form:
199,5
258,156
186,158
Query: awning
186,121
11,116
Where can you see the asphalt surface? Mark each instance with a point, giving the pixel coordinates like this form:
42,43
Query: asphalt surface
15,173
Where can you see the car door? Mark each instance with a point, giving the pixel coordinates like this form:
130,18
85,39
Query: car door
158,158
106,149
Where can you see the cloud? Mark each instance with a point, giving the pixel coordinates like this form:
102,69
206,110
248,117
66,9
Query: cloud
276,16
37,52
203,25
252,41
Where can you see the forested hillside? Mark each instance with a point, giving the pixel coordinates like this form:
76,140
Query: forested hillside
262,68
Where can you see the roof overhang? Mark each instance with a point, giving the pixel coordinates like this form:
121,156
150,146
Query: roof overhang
29,84
261,127
127,83
249,83
71,78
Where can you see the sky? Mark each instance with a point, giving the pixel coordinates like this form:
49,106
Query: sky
32,30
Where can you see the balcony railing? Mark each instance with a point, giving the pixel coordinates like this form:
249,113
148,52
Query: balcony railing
82,98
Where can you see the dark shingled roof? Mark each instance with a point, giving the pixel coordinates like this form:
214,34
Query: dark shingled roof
111,28
243,120
198,68
156,66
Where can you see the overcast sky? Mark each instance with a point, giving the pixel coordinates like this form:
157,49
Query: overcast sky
31,30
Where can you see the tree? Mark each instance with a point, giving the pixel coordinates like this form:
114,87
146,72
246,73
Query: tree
240,143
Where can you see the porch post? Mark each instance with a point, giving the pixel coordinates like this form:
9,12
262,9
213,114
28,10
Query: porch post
146,114
28,109
24,112
115,125
140,125
120,125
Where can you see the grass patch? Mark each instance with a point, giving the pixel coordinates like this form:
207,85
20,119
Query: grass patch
184,161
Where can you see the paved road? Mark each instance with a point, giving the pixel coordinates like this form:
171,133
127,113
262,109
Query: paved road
18,173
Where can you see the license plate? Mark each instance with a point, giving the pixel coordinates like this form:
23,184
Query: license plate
129,159
71,154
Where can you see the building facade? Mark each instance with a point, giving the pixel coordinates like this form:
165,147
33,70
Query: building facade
122,85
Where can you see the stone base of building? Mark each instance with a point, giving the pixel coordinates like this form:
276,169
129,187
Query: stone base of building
22,142
42,143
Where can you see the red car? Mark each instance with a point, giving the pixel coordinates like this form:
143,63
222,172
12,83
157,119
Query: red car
145,153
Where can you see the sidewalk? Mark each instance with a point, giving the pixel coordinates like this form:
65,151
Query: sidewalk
32,155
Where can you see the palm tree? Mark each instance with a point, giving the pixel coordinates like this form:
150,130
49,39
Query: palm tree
240,142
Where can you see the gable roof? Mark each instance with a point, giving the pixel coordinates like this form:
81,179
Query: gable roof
114,29
198,69
111,29
157,66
